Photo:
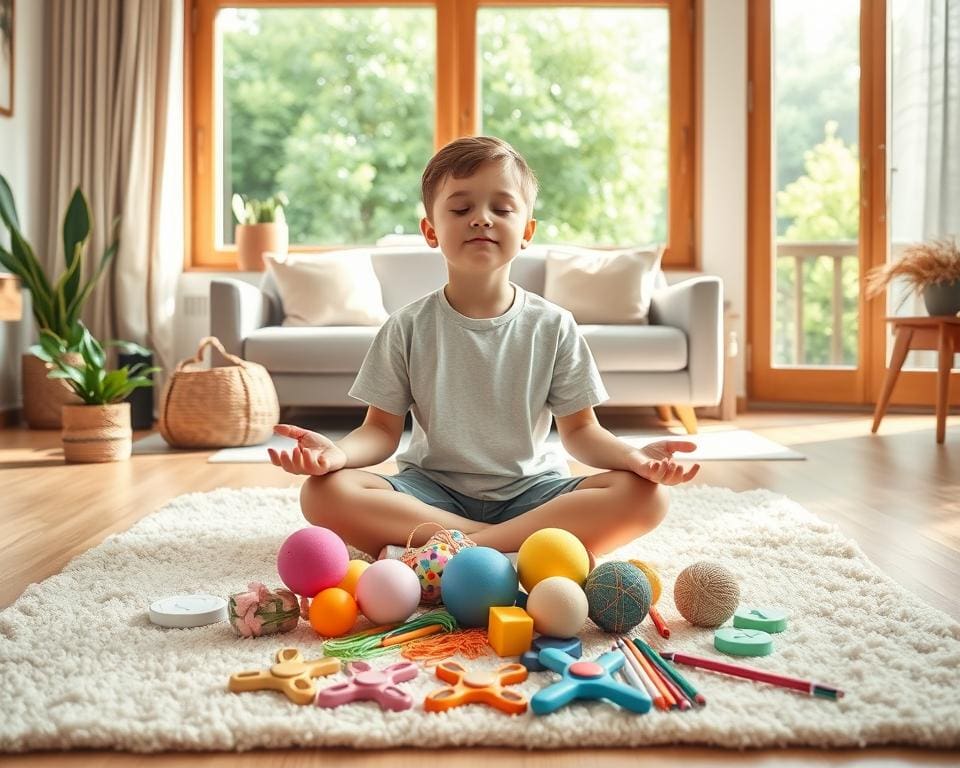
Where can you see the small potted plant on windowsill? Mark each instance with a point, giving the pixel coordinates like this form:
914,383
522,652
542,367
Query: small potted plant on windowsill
930,269
261,228
98,429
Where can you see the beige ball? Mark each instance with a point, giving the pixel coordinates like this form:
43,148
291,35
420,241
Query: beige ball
558,607
706,594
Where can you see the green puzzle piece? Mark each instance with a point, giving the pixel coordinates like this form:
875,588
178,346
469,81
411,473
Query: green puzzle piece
770,620
743,642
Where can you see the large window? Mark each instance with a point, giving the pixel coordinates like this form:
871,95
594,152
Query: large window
339,107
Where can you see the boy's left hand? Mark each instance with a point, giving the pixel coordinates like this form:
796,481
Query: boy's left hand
654,462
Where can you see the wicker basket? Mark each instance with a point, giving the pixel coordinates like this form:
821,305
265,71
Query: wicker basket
218,407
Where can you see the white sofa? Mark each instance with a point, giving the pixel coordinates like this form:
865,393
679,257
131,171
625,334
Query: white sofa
675,361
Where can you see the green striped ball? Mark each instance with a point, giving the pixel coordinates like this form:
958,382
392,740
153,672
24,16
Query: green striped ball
619,596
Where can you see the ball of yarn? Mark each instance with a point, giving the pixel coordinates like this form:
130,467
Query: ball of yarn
311,560
619,596
706,594
552,552
388,592
474,581
354,569
333,612
652,576
558,607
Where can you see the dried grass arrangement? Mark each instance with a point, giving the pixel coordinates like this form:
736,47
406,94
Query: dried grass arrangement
921,265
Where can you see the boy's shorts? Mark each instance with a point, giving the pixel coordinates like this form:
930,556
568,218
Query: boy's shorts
414,483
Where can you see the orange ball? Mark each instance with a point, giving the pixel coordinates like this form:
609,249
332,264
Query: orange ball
354,569
333,612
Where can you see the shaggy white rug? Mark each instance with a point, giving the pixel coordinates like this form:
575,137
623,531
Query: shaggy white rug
82,666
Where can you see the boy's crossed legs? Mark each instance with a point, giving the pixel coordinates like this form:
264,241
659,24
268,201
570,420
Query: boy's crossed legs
604,511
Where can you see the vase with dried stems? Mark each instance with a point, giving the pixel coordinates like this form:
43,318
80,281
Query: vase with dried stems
930,269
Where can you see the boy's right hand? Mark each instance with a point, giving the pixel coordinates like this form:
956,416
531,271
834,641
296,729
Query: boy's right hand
314,454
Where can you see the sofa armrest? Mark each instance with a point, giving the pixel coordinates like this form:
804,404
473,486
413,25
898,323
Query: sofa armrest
236,309
695,306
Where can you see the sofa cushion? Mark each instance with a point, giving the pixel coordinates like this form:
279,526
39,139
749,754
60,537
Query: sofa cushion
333,288
316,349
636,347
602,286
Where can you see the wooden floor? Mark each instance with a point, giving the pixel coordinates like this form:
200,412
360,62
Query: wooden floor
896,493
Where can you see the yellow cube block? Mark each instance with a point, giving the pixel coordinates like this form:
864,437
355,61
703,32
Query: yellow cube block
509,631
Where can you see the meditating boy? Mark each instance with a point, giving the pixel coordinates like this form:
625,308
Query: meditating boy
484,366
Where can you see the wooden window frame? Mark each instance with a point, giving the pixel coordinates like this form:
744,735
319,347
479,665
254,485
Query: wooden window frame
457,94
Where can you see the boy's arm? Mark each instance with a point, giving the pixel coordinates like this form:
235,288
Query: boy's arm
374,441
591,444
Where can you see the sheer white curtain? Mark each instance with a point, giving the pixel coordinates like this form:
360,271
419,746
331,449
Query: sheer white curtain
924,119
116,117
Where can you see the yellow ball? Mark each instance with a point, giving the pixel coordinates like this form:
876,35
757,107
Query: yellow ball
552,552
354,569
652,577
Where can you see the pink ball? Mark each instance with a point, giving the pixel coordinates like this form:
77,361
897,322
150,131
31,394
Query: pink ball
312,559
388,592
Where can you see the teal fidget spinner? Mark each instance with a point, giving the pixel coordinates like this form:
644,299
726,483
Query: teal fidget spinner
586,680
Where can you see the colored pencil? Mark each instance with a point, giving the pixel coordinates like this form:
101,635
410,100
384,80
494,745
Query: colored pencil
430,629
658,681
658,677
630,673
659,623
675,675
759,675
642,678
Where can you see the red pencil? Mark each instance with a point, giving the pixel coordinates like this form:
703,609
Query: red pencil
751,673
659,623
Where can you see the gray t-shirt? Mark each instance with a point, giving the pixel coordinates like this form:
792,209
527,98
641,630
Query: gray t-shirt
482,390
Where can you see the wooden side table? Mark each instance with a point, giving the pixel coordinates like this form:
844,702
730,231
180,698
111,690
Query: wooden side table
941,333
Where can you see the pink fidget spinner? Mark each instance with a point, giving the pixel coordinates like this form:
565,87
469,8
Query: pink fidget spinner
369,684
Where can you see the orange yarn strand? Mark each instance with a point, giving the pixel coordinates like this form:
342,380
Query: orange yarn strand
470,643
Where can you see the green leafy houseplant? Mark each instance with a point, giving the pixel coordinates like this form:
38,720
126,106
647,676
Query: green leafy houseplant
56,305
90,379
253,211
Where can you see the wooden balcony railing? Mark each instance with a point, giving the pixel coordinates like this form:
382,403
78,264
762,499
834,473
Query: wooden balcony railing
802,253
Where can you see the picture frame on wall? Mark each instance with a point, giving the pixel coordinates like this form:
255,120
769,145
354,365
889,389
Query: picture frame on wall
6,57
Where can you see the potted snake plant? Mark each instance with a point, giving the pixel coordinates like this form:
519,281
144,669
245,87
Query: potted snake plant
98,428
261,228
57,304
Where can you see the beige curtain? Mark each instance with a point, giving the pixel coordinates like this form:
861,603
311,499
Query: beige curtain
113,65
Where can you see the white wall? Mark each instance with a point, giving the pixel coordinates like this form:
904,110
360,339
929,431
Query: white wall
22,140
723,225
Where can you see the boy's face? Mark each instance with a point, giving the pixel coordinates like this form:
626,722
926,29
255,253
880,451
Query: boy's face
480,222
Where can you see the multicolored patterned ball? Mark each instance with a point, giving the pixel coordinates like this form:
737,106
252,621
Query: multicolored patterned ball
619,596
429,565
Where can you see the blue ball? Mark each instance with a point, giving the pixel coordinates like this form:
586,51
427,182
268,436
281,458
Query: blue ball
474,581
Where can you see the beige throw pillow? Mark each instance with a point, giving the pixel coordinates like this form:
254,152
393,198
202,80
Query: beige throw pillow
335,288
602,286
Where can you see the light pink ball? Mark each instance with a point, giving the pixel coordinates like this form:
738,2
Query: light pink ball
388,592
312,559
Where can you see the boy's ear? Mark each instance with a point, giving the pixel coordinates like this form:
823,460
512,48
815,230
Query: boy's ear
528,233
429,233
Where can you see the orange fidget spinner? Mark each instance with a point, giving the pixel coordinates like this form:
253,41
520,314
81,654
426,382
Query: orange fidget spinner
481,687
290,675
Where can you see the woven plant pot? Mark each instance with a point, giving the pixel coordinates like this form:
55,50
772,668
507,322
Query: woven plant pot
44,397
220,407
97,433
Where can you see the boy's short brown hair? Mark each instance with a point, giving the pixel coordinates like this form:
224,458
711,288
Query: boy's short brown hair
461,158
